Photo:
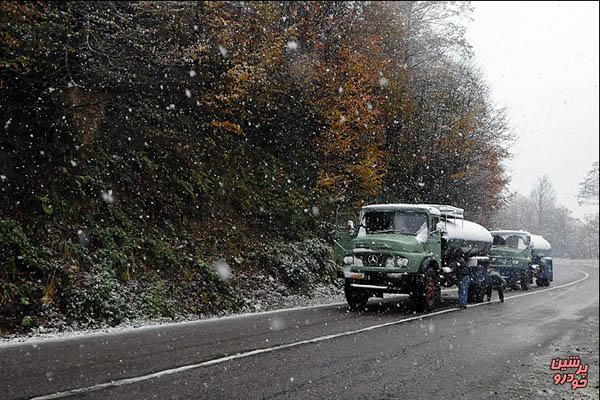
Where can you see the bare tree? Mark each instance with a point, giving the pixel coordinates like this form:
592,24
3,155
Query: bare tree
569,236
544,199
588,188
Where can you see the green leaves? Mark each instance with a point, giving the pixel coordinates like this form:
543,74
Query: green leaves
46,205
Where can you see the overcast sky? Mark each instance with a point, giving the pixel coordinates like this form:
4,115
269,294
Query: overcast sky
541,62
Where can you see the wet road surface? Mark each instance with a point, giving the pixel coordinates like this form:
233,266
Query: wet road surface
386,352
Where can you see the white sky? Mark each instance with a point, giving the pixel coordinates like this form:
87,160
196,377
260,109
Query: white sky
541,62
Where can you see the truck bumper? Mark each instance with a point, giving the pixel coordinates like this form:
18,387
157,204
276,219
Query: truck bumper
388,282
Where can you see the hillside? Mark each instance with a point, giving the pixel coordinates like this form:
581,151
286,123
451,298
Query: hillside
161,159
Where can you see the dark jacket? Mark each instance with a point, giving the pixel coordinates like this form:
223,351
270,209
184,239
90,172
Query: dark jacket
495,279
460,264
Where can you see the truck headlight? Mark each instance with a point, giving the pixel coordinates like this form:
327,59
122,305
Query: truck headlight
402,262
515,262
348,260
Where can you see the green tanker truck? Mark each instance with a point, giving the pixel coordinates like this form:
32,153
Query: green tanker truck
412,249
520,256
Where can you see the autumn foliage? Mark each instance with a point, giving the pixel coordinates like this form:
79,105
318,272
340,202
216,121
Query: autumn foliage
200,129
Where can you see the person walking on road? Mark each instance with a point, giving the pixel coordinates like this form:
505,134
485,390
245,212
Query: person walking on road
495,281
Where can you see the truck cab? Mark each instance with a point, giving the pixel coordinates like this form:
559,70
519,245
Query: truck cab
511,255
411,249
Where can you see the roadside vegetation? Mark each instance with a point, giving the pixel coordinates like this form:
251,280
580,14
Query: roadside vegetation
164,159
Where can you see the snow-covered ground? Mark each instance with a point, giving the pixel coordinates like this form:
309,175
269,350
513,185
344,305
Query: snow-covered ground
271,302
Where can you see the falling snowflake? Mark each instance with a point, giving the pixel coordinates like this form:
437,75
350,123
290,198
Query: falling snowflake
188,93
107,196
223,51
192,73
277,323
223,270
292,45
83,237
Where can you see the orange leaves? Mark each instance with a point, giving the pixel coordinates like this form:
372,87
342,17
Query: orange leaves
228,127
458,175
352,153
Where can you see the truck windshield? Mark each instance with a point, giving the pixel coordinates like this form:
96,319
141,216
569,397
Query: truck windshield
401,222
511,240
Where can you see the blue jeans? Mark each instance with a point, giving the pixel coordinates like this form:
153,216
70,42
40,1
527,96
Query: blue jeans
463,289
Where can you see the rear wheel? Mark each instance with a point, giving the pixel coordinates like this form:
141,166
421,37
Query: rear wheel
541,282
357,298
476,294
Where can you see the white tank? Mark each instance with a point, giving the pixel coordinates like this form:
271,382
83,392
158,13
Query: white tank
472,238
540,245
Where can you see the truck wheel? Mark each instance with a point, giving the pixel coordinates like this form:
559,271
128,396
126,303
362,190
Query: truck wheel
357,299
429,294
540,282
525,282
478,293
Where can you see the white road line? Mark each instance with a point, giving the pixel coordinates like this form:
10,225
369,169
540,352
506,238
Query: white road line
136,329
127,381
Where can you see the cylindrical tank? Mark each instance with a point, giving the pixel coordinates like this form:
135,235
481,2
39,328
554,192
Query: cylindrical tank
541,246
472,238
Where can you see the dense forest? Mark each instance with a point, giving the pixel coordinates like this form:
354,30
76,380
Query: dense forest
161,159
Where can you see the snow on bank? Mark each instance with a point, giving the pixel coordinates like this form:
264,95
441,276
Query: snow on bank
320,296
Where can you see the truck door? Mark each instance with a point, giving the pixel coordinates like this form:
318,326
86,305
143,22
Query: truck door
435,238
342,236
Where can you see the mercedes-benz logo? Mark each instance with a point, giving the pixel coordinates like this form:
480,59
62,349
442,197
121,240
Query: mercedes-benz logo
372,259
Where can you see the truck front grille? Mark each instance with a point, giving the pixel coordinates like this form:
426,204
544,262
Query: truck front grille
372,259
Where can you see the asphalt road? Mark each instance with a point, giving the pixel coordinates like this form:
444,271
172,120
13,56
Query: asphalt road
325,352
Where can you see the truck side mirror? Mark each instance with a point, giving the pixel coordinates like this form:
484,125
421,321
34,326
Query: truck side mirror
351,228
440,227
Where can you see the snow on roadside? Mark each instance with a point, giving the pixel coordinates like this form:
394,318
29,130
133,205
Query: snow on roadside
321,295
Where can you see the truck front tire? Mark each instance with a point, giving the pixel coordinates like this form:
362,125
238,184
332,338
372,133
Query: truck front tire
427,295
357,298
